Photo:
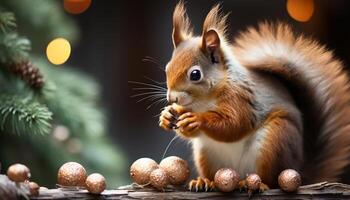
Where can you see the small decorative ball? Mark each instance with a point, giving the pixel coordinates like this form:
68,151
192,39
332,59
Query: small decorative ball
95,183
18,173
253,182
159,179
34,188
226,179
141,169
176,168
71,174
289,180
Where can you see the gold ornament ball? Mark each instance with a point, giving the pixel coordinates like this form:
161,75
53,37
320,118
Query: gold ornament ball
253,182
34,188
141,169
176,168
95,183
289,180
18,173
226,179
71,174
159,179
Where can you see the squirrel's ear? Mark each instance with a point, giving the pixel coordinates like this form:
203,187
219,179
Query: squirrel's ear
210,41
214,30
181,24
211,45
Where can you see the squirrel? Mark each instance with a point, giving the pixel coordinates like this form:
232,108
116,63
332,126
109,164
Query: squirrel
267,101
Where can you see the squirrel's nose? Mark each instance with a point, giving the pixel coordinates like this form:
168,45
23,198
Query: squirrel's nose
172,98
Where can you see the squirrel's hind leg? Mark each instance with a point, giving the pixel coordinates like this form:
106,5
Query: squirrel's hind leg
282,148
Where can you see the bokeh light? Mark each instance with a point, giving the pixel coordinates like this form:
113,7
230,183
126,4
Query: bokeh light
300,10
58,51
76,6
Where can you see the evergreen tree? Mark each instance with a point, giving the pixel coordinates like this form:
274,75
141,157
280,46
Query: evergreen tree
48,115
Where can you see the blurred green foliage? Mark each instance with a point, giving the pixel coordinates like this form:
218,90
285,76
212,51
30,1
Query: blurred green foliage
60,122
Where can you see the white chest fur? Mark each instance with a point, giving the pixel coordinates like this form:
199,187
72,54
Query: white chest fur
241,155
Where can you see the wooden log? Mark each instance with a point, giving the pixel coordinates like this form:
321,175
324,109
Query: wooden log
319,190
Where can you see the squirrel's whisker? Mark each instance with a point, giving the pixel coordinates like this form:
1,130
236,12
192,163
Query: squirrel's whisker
149,98
148,88
154,81
155,103
147,84
146,93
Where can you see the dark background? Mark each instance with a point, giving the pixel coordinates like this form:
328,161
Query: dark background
117,35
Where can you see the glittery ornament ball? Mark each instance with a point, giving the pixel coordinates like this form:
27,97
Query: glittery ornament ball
159,179
18,173
95,183
253,182
34,188
289,180
176,168
71,174
226,179
141,169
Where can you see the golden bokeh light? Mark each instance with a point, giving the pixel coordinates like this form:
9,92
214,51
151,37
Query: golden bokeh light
76,6
58,51
300,10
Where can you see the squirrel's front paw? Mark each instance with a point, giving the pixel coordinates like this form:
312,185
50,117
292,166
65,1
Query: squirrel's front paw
168,118
188,124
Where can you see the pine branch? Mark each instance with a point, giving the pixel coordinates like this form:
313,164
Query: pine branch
28,73
42,20
13,48
7,21
20,116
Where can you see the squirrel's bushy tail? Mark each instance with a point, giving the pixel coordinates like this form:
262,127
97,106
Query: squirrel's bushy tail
319,86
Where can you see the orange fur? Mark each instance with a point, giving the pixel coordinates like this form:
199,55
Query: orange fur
234,117
308,72
181,24
182,60
320,86
215,20
281,148
204,167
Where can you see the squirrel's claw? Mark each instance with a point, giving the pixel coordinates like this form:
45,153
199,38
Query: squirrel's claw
242,186
168,119
263,187
201,185
188,124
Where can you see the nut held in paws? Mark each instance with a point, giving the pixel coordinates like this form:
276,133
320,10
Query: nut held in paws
226,179
141,169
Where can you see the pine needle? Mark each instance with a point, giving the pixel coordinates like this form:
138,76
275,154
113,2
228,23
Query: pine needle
7,21
21,116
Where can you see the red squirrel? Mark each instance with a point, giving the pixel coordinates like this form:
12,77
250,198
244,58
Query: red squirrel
268,101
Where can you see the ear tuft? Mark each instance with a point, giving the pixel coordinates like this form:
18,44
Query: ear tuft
181,24
215,20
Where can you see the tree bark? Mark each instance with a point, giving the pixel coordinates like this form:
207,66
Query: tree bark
319,190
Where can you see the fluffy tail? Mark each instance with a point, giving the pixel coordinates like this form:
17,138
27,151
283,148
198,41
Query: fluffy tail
319,85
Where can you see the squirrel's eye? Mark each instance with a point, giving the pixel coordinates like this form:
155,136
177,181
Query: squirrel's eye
195,75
